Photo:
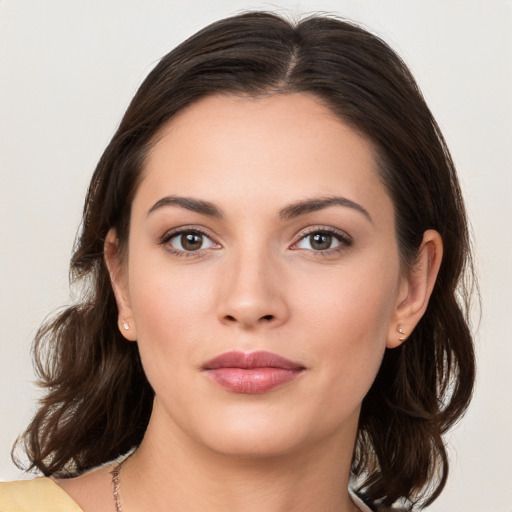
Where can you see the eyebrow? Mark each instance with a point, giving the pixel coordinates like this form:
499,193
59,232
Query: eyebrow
195,205
289,212
313,205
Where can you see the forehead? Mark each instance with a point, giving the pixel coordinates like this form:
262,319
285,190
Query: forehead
278,148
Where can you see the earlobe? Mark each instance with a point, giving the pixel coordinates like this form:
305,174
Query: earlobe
119,282
416,289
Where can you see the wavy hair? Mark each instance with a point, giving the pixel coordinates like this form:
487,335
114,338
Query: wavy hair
98,401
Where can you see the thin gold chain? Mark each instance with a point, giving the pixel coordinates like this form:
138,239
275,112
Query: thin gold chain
115,485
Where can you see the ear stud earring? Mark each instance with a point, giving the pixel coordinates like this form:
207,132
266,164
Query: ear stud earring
402,332
126,326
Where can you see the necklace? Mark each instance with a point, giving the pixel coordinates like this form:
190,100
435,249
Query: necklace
115,485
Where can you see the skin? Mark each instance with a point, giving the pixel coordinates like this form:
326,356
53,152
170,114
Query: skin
257,282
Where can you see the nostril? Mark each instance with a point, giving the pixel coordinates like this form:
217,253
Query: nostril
249,319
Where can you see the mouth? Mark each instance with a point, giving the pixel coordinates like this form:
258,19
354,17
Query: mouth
251,373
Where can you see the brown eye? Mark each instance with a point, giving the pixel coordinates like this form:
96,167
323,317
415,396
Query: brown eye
320,241
191,241
323,241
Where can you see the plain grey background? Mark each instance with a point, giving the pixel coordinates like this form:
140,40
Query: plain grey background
67,72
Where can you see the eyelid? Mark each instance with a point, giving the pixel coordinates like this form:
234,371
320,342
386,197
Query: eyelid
180,230
342,236
345,239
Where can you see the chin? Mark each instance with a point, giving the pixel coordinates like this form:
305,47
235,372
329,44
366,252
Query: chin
253,444
244,430
281,422
253,433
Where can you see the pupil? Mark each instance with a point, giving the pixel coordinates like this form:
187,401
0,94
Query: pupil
321,241
191,241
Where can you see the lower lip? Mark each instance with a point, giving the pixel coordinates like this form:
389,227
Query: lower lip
252,380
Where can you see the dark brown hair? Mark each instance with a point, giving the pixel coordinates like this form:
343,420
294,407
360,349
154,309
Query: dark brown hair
98,401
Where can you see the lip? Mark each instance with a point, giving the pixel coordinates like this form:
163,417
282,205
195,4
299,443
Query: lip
251,373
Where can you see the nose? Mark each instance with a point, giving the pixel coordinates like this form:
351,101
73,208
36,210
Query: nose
253,293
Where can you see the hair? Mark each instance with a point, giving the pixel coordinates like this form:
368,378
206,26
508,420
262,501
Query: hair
98,401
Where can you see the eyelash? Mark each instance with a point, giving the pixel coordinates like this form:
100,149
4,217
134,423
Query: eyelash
344,239
165,241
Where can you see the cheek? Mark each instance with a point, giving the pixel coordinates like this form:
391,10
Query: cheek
174,309
167,306
168,316
356,302
347,320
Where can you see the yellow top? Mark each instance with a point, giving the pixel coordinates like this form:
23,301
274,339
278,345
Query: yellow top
38,495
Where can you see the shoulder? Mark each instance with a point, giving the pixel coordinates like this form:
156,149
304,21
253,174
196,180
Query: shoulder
37,495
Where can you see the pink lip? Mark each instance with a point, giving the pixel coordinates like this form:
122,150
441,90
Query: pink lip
255,372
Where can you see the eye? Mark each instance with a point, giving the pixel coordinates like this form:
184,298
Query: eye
322,240
189,241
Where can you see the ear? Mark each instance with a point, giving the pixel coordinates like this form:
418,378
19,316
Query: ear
415,289
119,279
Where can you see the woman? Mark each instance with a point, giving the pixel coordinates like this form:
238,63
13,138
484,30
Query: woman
274,251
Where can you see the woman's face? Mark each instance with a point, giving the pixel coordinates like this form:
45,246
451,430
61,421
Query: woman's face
261,225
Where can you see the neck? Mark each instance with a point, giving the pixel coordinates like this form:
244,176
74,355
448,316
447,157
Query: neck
173,472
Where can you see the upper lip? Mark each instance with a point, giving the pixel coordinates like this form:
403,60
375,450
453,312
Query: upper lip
260,359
